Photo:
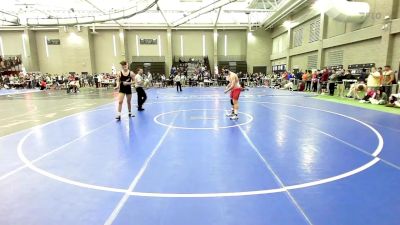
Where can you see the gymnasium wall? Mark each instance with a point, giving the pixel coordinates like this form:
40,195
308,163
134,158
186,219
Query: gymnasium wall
236,42
75,47
396,52
12,42
398,10
53,62
278,61
259,49
306,29
192,43
335,28
104,55
302,61
358,53
378,8
147,50
83,51
32,59
358,43
280,43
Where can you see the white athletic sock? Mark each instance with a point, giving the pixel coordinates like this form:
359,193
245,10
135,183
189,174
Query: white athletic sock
235,111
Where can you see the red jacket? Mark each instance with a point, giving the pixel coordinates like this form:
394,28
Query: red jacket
325,77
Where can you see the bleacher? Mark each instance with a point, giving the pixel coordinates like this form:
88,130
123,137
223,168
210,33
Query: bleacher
10,64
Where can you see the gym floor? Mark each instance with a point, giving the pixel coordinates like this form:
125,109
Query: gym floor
290,159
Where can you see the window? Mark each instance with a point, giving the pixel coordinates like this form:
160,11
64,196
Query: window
298,37
279,44
335,58
312,62
314,31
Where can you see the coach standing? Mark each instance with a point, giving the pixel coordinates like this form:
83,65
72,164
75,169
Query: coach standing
141,94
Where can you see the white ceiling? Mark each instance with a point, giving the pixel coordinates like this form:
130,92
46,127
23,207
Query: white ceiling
239,12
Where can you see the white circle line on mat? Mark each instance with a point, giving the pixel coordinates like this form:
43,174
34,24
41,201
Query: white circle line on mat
367,165
201,128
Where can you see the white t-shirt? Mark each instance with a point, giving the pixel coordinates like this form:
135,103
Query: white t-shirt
138,80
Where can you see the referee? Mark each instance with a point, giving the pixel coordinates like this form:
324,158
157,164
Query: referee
178,82
141,94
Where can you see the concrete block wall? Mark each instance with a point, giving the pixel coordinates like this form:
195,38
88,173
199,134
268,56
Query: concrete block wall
361,43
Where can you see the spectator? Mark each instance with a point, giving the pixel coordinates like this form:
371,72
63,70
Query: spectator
363,76
6,82
74,86
299,75
314,80
90,80
340,85
380,98
288,86
43,85
303,81
355,90
324,80
148,80
183,78
370,95
374,79
96,80
381,76
388,79
163,81
394,100
332,80
349,75
308,80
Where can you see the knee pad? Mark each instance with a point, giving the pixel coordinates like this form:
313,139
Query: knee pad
231,101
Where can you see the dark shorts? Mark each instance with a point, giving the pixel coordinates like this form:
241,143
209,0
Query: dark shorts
125,90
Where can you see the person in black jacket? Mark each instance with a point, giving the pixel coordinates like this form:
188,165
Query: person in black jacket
363,76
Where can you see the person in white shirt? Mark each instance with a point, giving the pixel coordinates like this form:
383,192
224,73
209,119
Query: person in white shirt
163,80
177,80
374,79
141,94
149,78
394,100
183,79
100,79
